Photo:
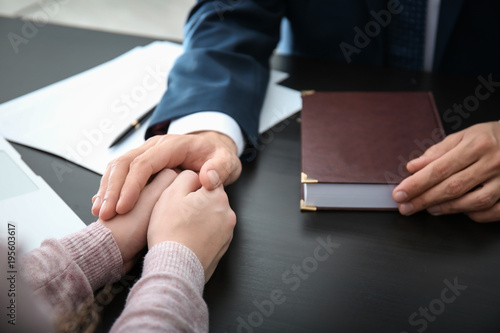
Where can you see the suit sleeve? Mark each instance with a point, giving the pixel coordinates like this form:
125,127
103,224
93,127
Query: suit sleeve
225,65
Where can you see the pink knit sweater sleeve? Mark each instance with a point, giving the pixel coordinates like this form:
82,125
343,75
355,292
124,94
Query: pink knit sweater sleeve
65,272
169,295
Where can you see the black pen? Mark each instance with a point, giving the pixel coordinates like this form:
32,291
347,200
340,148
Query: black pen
134,126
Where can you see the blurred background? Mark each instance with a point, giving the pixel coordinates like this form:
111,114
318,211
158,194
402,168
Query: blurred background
162,19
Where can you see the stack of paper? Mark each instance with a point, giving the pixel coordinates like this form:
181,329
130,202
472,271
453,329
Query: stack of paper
78,118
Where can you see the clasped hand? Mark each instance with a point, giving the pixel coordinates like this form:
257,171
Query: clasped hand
174,207
211,154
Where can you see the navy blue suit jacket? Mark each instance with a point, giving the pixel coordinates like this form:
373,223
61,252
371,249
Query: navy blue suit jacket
228,44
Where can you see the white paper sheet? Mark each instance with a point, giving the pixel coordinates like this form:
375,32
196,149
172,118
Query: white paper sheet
79,117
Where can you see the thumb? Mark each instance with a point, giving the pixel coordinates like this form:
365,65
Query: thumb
221,169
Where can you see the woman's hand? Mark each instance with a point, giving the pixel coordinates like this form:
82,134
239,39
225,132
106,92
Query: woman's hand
129,230
195,217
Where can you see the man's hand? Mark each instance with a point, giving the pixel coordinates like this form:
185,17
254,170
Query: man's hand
195,217
129,230
212,154
461,174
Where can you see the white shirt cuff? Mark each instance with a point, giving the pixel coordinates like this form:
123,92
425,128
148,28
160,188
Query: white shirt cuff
209,121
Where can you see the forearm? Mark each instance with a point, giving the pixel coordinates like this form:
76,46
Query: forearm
168,297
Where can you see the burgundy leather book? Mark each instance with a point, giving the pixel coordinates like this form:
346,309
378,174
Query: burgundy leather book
355,145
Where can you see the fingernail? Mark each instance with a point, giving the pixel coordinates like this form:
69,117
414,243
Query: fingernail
406,208
434,210
214,177
96,203
400,196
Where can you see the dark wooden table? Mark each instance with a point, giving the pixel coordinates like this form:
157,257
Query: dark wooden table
292,271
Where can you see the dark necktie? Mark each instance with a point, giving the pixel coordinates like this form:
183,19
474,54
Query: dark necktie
406,36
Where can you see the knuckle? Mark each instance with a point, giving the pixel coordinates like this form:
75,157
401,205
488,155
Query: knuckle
115,163
154,140
431,151
199,202
119,162
491,214
232,168
111,195
102,187
226,170
231,219
138,163
135,185
483,142
220,198
448,208
484,200
455,187
111,189
440,170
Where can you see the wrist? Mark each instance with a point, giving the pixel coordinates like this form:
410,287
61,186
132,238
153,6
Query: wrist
152,241
128,245
222,138
204,121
